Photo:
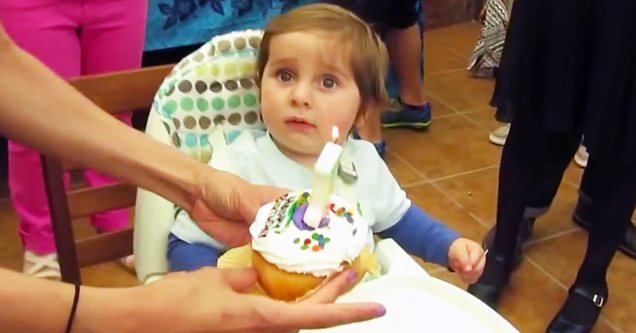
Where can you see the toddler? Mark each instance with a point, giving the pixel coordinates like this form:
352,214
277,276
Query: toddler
321,66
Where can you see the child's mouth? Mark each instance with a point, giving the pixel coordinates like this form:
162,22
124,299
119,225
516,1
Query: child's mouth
299,124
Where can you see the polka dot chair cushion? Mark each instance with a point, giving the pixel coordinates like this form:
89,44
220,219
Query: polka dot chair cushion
214,85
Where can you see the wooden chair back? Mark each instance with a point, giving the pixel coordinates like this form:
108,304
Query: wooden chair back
115,93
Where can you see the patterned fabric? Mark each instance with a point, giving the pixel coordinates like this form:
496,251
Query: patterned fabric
174,23
213,86
487,53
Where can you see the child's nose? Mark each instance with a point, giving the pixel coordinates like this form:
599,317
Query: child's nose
301,95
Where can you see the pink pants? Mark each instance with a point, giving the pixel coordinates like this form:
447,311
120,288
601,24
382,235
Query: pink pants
72,38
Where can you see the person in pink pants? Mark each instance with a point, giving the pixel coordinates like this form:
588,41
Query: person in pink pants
73,38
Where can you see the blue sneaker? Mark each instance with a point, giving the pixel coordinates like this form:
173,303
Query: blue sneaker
380,147
412,117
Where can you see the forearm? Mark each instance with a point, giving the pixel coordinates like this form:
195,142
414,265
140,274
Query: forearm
39,109
423,236
38,305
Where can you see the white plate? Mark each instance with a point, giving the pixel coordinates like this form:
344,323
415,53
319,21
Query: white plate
421,304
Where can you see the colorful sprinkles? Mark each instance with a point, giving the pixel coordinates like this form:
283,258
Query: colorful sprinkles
342,212
290,209
316,243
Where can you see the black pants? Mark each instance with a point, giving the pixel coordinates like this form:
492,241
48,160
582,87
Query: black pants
532,165
547,183
384,14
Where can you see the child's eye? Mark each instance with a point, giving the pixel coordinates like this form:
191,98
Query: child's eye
284,76
329,82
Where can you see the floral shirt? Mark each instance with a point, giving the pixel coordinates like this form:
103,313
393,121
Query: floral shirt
174,23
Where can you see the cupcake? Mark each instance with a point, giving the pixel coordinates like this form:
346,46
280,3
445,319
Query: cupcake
291,258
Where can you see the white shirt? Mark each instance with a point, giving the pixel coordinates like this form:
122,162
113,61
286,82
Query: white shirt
256,159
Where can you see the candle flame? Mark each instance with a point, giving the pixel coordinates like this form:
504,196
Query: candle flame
335,134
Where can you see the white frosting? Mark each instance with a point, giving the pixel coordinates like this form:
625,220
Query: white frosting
280,241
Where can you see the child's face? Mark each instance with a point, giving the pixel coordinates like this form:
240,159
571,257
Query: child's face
307,88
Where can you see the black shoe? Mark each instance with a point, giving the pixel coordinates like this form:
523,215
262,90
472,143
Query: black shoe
562,325
525,231
582,218
490,285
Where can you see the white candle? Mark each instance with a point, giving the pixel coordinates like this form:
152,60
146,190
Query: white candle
324,175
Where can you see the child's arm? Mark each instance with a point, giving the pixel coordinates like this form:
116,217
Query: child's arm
421,235
395,216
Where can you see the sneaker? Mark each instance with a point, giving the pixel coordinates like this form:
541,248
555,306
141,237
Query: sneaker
380,147
410,116
581,156
499,135
128,263
43,266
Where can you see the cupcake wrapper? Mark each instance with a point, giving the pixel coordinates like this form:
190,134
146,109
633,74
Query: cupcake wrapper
241,257
370,263
238,258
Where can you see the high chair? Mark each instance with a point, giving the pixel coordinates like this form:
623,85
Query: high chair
116,93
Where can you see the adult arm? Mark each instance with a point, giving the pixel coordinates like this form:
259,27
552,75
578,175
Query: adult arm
38,305
208,300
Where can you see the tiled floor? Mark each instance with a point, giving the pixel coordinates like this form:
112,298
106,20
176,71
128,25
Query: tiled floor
451,170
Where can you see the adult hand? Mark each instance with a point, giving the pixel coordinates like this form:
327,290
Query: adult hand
214,300
228,205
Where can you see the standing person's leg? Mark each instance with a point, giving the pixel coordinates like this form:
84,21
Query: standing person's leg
404,43
614,186
502,115
112,39
531,169
516,172
583,214
556,156
47,29
487,56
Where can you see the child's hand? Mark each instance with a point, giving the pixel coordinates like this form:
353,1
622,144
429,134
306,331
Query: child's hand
467,258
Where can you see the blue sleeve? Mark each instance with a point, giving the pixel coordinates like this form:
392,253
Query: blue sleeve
421,235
